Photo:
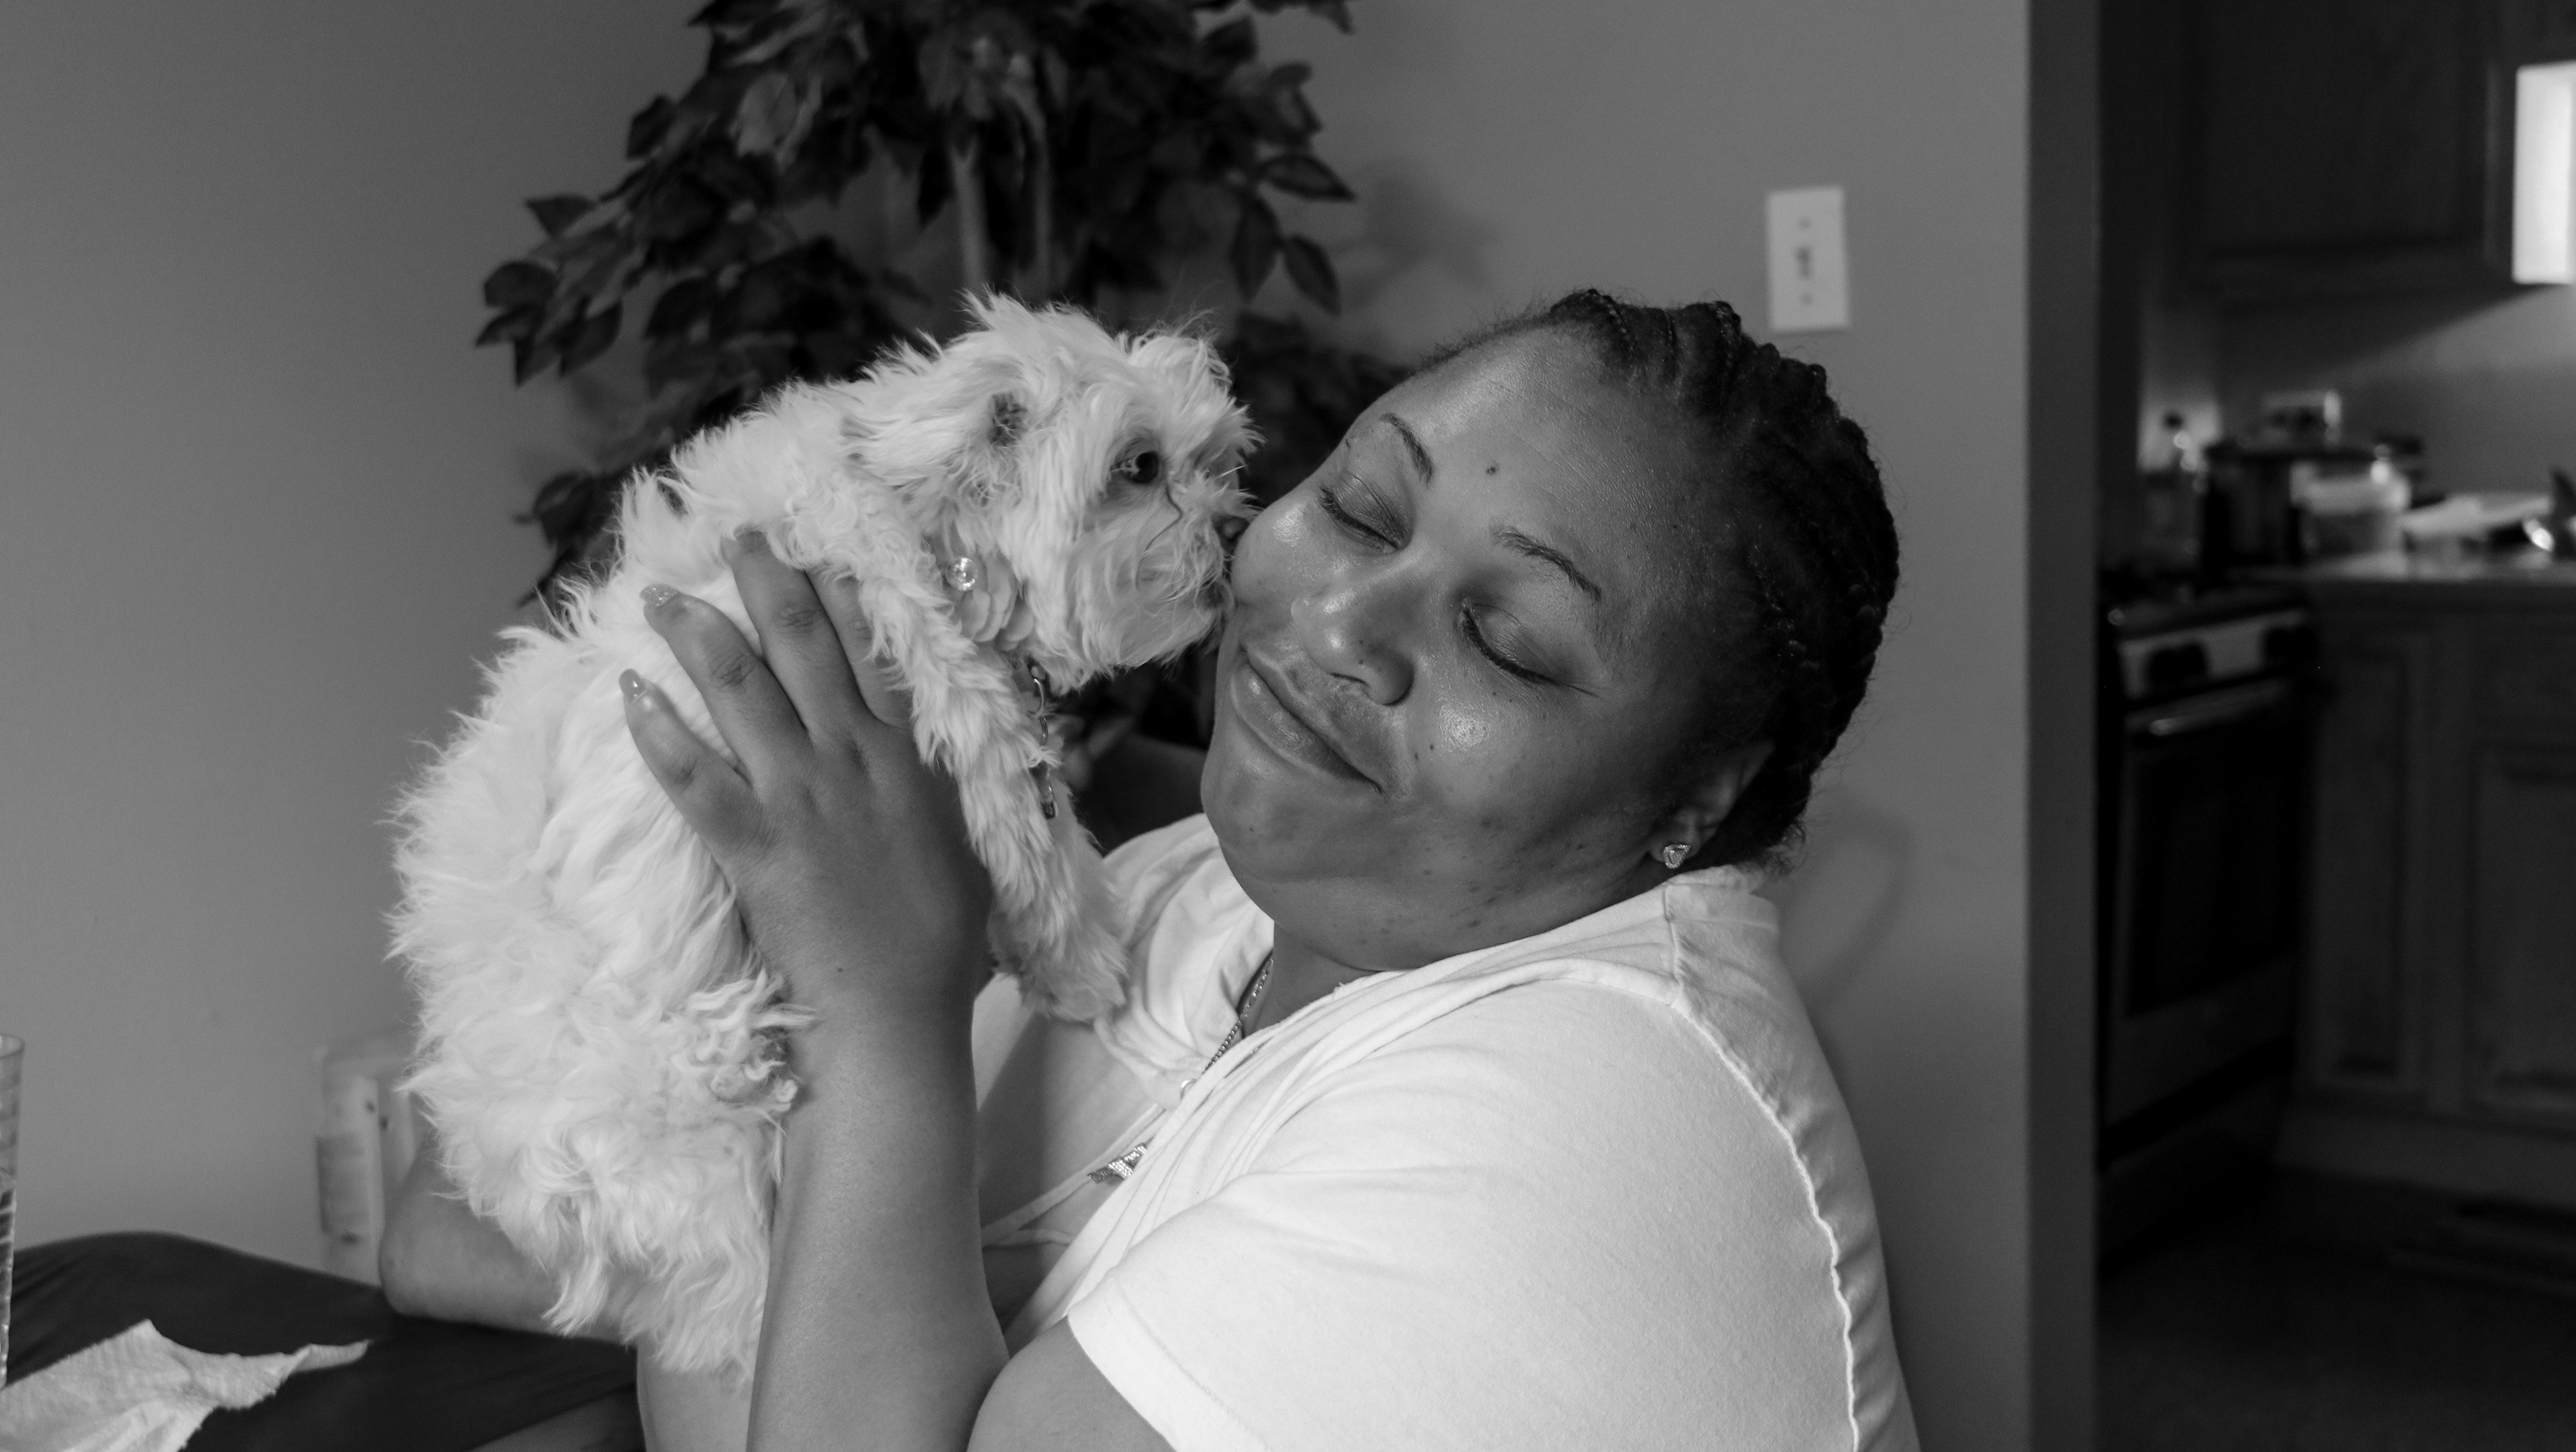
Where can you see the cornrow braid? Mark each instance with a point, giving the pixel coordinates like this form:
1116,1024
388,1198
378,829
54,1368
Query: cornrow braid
1815,547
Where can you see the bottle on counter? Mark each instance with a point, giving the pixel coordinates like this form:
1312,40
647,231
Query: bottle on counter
2172,492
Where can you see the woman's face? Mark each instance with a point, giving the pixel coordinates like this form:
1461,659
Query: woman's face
1457,690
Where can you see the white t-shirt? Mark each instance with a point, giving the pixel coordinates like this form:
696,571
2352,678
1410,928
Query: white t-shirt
1591,1189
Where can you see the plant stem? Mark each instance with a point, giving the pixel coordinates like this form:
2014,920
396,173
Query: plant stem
974,269
1041,284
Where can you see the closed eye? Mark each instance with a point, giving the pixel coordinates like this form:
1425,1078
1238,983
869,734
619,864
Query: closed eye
1485,646
1342,514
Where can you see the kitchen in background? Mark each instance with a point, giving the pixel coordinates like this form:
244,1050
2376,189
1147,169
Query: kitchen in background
2337,744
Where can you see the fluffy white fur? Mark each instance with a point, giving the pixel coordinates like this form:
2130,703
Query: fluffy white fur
600,1049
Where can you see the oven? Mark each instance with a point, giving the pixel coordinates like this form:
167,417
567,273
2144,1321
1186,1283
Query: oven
2207,722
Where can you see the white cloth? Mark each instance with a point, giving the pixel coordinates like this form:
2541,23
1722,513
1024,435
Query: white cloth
1591,1189
139,1391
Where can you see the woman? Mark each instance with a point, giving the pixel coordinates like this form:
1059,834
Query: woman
1460,1099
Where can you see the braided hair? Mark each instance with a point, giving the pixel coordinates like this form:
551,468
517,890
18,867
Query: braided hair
1814,546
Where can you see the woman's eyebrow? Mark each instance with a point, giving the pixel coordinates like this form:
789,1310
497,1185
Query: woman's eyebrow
1519,543
1412,445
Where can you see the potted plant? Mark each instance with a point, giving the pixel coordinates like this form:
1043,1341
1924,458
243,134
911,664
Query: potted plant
1077,150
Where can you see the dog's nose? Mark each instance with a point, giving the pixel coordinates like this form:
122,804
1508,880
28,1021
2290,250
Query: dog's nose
1231,528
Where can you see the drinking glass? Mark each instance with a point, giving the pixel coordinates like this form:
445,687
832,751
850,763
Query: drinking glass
11,1052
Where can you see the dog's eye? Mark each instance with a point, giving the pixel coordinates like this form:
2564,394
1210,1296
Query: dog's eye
1143,468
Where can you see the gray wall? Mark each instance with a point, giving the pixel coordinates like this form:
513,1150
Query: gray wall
1507,150
258,491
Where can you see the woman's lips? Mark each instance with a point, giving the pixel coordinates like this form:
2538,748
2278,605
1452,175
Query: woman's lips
1266,710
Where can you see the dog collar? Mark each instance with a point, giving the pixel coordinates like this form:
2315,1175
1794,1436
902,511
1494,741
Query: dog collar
1032,681
964,575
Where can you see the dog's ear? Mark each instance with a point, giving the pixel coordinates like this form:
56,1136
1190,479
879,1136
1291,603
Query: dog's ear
1010,416
988,467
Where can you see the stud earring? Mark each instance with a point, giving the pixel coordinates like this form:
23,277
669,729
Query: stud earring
1676,853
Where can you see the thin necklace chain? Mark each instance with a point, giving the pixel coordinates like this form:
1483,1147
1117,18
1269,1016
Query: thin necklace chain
1244,1013
1246,1009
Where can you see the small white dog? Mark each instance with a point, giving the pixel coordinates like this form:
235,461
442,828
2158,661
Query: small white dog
1033,505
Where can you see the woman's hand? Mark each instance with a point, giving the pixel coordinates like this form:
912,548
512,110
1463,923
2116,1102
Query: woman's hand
857,883
848,854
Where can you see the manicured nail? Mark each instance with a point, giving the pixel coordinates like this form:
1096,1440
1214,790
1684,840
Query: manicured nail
635,689
751,539
657,596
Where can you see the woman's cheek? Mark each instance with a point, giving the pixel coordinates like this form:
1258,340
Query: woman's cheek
1462,728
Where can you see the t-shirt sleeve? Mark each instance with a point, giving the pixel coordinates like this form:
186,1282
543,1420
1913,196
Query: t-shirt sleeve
1553,1218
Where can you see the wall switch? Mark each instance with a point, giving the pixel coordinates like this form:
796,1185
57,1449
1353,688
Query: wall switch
1810,287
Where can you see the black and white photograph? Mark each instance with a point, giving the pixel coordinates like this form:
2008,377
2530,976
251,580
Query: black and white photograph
1288,726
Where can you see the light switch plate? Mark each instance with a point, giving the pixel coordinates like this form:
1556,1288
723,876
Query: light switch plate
1810,280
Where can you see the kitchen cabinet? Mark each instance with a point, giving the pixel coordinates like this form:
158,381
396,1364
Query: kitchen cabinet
2438,1035
2339,147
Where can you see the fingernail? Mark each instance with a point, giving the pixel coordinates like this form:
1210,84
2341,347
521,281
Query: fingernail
750,538
657,596
635,689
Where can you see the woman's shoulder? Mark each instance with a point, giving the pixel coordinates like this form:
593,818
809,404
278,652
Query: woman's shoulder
1588,1141
1674,1015
1703,948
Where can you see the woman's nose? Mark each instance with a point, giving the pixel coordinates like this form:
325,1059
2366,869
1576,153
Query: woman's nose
1355,630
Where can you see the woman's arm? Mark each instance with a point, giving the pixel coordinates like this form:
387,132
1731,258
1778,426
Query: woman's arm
440,1259
850,861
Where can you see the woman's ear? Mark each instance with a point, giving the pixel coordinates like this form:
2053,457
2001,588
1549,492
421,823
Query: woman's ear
1721,781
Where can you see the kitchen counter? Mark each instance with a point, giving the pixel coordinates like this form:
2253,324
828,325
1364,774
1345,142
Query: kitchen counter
2527,578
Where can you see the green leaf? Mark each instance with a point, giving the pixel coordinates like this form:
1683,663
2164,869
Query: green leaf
591,337
1336,11
645,132
529,357
558,212
589,264
1285,95
1230,44
518,285
1312,272
776,112
1256,246
1299,174
669,367
680,307
730,14
510,327
678,211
